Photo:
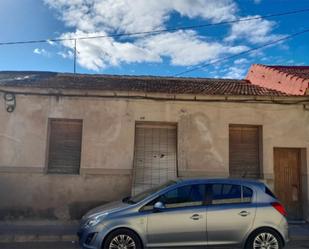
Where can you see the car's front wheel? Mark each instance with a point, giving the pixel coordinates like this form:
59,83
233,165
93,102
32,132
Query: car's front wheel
122,239
264,239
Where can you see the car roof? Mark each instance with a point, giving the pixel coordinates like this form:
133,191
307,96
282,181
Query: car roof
222,180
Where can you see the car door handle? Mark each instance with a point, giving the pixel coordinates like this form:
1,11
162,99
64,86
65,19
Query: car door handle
244,213
196,217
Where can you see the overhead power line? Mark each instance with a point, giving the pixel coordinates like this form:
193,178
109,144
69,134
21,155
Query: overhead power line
201,66
150,32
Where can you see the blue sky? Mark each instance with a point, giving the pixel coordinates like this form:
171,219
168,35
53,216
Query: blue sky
160,54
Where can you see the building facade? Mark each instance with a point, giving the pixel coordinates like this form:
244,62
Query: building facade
71,142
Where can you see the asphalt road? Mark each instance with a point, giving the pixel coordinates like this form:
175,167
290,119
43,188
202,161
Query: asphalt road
301,244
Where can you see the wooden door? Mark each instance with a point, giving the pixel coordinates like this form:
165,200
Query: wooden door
288,180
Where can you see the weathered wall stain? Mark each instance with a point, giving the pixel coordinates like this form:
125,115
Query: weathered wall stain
11,147
198,143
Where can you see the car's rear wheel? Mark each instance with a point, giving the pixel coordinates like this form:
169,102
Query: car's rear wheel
264,239
122,239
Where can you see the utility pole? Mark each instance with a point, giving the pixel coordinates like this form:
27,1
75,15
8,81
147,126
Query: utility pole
75,54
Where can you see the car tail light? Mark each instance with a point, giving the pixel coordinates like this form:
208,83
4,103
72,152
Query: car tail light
280,208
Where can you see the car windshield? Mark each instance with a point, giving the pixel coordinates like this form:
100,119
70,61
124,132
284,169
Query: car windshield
141,196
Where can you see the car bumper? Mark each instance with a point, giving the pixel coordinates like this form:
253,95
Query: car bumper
284,230
88,238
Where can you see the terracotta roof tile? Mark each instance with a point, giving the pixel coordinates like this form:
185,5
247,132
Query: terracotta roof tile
299,71
292,80
153,84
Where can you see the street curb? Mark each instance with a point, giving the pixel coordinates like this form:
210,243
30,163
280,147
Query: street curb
74,239
299,237
51,238
31,238
69,238
7,238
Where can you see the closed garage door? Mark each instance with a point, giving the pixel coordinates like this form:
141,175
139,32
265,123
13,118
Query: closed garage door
155,155
244,151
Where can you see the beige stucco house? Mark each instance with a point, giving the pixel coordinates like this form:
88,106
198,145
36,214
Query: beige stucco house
70,142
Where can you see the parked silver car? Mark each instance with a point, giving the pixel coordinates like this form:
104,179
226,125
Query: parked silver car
196,212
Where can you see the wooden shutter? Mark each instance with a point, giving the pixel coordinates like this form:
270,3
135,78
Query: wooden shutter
64,150
244,151
155,155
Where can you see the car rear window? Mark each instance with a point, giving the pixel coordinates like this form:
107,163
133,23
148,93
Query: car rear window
269,192
247,194
190,195
226,193
230,193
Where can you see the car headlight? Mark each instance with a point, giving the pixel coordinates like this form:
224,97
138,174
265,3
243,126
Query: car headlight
95,220
92,222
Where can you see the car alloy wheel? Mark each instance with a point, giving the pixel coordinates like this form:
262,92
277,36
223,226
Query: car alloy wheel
265,241
122,241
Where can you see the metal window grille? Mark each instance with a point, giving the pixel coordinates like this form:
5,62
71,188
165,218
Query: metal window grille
155,156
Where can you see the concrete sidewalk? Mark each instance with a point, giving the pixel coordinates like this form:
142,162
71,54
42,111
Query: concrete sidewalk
27,231
49,231
299,231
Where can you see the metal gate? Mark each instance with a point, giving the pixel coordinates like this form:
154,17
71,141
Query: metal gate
155,155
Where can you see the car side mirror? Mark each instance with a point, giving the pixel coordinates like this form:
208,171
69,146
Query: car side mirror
158,206
125,199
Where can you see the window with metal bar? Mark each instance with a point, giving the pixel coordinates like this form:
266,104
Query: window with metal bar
155,155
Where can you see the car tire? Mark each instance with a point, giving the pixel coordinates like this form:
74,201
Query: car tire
265,235
124,237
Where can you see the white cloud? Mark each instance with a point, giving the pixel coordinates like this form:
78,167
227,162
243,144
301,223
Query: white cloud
98,53
66,54
41,51
137,15
184,48
241,61
257,1
52,43
257,31
236,72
